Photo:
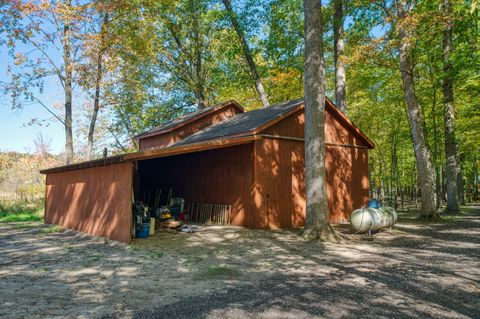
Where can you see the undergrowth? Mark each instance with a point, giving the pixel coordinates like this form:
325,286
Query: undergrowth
21,212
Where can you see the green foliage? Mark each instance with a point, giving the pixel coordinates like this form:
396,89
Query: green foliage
20,212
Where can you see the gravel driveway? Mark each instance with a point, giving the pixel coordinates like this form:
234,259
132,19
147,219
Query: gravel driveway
415,270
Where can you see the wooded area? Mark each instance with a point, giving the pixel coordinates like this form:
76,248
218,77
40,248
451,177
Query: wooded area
406,72
240,159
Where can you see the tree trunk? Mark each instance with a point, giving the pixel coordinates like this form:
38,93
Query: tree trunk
422,153
475,177
247,53
452,166
460,182
96,107
199,95
438,195
435,148
338,53
198,66
317,224
98,81
68,90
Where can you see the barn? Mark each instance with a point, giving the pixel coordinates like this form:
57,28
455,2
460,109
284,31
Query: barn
253,161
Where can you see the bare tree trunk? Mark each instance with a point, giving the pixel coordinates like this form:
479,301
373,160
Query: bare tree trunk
68,90
435,136
199,95
475,177
98,82
199,82
96,107
451,156
338,53
317,224
460,182
248,55
422,153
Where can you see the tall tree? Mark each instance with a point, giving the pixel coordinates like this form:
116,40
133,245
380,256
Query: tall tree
400,13
247,53
183,42
338,56
452,165
317,224
97,55
48,29
67,61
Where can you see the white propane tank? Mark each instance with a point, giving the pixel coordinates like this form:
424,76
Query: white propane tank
369,219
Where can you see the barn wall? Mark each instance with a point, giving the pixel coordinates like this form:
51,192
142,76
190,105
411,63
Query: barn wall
347,181
336,131
280,173
92,200
166,139
279,196
220,176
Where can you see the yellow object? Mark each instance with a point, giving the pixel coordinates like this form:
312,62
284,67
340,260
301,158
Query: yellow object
166,215
152,226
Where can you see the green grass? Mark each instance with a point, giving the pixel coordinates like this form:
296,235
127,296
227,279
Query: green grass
219,272
52,229
20,213
156,254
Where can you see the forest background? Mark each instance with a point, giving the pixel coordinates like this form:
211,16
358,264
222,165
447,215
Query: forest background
102,72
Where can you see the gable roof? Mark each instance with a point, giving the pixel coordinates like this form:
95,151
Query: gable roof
239,129
185,119
253,122
244,123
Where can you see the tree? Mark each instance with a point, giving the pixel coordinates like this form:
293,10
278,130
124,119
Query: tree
50,31
400,12
316,224
97,58
247,53
451,154
338,52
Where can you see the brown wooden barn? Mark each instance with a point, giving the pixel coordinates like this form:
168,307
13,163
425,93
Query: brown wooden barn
253,161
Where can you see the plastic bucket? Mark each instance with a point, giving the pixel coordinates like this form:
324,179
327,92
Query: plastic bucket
144,231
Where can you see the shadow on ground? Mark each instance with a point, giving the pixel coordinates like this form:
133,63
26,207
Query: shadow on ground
415,270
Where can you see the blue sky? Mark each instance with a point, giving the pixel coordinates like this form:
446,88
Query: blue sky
16,134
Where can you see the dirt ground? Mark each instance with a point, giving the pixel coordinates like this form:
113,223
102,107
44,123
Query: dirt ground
415,270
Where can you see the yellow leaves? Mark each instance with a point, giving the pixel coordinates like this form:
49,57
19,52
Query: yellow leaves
19,58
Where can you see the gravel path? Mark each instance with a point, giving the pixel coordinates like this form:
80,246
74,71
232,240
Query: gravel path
415,270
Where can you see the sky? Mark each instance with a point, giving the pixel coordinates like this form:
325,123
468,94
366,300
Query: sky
15,133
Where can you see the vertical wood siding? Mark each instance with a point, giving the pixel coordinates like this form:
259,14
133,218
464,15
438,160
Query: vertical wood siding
280,173
92,200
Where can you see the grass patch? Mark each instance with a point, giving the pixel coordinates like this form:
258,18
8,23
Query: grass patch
156,255
20,212
52,229
218,272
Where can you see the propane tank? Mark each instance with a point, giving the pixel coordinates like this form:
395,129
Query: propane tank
370,219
